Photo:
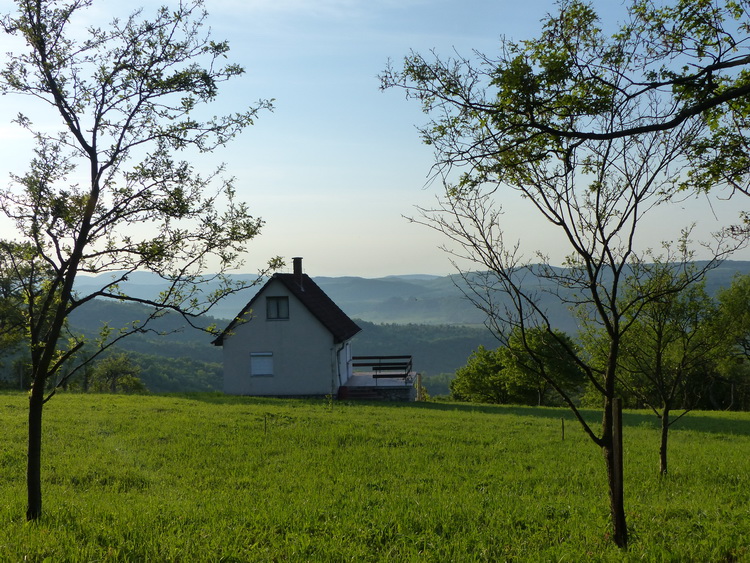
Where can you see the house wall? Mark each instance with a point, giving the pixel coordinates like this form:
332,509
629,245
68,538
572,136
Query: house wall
345,362
304,361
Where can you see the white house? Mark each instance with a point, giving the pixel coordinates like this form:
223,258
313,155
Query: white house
291,339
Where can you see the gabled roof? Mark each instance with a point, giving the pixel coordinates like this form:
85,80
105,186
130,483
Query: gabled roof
311,296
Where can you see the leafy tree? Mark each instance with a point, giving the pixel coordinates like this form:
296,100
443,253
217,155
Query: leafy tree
731,385
106,193
682,59
116,373
528,357
482,379
11,321
510,374
561,120
734,310
23,275
164,374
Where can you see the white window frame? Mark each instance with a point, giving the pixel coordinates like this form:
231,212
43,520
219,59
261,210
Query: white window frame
261,364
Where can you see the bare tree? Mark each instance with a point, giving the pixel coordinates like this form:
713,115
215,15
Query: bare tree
668,355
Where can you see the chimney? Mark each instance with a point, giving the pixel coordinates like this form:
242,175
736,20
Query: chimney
297,270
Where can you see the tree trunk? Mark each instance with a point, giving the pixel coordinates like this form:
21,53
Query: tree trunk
34,459
612,450
663,446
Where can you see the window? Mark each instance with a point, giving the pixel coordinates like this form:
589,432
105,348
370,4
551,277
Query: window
261,364
277,308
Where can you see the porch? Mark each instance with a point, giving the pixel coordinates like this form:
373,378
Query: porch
385,378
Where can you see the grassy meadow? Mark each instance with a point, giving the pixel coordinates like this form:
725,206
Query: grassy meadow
214,478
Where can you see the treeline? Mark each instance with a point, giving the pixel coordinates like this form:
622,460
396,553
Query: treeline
176,358
436,349
121,371
704,355
687,350
170,357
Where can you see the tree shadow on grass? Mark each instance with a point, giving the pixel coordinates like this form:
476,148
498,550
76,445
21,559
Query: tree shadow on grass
718,422
219,398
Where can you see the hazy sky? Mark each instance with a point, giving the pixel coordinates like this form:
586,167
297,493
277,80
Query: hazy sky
337,165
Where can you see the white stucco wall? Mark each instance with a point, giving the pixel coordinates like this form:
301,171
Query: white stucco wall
304,359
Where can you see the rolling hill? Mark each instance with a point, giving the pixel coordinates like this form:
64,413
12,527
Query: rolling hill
425,316
415,299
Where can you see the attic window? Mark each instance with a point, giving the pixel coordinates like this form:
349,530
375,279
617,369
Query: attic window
277,308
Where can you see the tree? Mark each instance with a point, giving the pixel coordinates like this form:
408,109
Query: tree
11,318
22,275
671,347
105,194
734,310
482,379
516,122
11,322
510,375
529,356
116,373
731,385
683,59
12,263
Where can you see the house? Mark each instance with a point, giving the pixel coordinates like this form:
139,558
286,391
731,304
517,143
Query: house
291,339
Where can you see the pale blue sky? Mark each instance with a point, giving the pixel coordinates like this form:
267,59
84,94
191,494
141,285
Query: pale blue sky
337,165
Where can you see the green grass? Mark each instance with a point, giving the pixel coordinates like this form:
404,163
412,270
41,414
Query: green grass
214,478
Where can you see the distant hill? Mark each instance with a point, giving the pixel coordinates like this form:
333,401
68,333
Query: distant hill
410,299
425,316
435,348
422,315
392,299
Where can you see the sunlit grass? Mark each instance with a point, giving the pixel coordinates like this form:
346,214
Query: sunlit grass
208,477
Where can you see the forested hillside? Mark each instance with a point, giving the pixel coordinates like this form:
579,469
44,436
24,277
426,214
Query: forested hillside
425,316
176,357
